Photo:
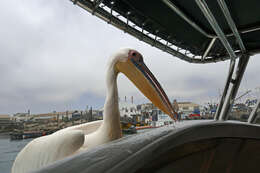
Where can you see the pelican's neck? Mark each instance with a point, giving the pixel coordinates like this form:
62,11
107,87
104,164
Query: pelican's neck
111,113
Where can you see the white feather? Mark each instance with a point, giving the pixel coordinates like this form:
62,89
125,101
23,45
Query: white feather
69,141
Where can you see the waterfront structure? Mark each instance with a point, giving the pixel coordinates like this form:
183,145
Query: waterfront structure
188,107
183,108
147,106
54,116
88,115
45,117
5,122
127,109
21,117
175,105
5,117
148,113
159,118
131,113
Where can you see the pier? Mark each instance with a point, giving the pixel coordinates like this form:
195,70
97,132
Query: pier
29,134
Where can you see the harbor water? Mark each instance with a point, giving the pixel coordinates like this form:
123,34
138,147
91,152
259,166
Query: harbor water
8,151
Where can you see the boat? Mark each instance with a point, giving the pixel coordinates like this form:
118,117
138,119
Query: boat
199,32
130,130
17,135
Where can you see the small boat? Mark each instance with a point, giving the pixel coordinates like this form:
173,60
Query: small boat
28,134
130,130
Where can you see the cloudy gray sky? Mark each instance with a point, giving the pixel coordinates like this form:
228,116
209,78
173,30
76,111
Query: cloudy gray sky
54,54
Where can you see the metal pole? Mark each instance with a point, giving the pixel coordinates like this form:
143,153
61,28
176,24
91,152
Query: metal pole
211,19
187,19
253,116
231,24
229,100
230,73
197,27
208,49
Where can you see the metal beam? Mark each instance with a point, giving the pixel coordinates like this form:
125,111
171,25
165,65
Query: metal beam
253,116
186,18
252,29
171,5
211,19
208,49
228,81
231,24
229,100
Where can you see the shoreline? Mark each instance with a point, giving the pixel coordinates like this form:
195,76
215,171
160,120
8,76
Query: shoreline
5,134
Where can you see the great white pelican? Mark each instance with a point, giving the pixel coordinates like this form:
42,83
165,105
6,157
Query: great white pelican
45,150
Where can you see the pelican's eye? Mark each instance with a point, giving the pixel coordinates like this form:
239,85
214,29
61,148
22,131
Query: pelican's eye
137,57
133,54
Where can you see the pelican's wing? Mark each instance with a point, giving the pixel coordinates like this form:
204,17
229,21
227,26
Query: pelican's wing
47,149
87,128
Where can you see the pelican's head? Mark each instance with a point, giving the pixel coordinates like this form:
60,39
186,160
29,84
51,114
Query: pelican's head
130,62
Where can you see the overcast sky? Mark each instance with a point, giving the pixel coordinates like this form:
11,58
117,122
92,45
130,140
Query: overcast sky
54,54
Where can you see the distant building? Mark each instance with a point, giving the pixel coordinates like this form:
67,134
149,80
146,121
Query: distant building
45,117
21,117
96,114
126,109
188,107
159,118
175,105
54,116
5,121
147,106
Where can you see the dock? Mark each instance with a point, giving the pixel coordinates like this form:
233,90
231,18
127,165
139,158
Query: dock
29,134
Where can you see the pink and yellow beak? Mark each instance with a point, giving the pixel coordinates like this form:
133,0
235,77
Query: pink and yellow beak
135,69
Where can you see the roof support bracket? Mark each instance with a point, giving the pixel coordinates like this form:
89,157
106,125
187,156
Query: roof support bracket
231,24
253,116
224,94
213,22
232,85
208,48
230,97
186,18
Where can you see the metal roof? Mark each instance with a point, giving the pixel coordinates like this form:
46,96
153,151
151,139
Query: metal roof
195,31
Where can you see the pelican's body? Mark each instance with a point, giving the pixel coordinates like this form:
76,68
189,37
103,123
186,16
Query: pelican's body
72,140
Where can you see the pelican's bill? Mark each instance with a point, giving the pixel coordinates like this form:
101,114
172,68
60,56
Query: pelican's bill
145,81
